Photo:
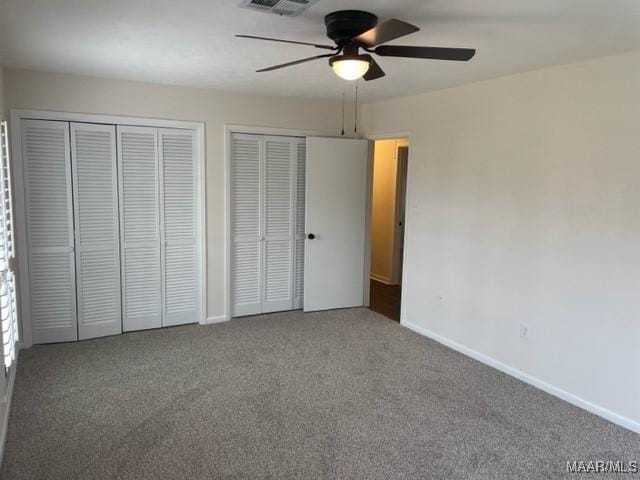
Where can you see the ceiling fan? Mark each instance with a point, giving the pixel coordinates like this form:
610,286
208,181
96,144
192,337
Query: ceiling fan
352,30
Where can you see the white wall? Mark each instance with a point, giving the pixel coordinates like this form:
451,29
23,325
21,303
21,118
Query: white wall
44,91
383,209
523,208
2,106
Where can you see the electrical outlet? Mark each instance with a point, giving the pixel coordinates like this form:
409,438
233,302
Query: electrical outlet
524,331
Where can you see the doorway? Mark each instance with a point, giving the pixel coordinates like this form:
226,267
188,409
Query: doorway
390,161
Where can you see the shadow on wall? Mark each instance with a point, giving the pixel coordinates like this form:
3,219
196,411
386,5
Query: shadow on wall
387,210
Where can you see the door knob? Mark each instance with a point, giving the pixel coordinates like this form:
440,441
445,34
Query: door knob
311,236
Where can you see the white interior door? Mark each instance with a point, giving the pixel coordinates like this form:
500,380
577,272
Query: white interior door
246,224
50,240
336,202
401,201
95,188
139,227
179,227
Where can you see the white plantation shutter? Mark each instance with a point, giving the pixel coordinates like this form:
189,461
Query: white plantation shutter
246,229
139,227
8,243
50,242
298,278
178,213
8,309
93,152
9,317
278,223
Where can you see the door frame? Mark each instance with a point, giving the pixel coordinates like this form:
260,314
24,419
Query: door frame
396,269
389,136
17,115
230,129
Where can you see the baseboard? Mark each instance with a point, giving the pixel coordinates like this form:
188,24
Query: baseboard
613,417
5,420
380,278
215,319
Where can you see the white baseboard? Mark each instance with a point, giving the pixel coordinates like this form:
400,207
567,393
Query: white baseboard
531,380
380,278
215,319
4,422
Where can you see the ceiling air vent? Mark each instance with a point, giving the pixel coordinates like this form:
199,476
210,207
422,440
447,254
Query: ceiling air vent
289,8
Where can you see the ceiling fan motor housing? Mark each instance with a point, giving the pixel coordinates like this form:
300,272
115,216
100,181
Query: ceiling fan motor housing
343,25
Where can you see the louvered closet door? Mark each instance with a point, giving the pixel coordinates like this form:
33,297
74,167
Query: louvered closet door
49,208
246,232
280,155
178,213
139,228
95,181
298,278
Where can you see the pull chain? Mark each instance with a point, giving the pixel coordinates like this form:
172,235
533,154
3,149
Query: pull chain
355,122
343,94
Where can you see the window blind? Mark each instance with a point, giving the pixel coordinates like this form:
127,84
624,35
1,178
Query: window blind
8,309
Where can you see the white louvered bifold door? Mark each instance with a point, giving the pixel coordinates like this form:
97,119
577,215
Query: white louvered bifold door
95,191
298,277
279,170
179,221
139,227
50,242
246,230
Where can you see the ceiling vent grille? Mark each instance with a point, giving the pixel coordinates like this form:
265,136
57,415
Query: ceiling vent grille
289,8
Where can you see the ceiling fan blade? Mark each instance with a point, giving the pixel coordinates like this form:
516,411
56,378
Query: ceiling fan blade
433,53
385,32
253,37
374,72
296,62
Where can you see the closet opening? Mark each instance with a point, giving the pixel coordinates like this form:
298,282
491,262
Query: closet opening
388,199
110,213
266,223
296,230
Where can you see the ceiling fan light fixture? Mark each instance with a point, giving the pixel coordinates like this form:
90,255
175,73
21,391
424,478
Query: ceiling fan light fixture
355,30
350,67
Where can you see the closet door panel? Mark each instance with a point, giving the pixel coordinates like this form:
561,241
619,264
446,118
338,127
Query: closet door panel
178,208
50,243
278,220
246,225
140,227
299,238
93,154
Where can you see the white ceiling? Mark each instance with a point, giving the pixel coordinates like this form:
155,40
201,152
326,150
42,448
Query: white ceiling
191,42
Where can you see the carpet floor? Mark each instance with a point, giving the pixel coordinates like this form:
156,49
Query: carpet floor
335,395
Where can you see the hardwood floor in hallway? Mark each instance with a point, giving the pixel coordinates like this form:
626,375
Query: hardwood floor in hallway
385,299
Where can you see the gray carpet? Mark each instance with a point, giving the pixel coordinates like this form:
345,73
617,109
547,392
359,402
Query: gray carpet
337,395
